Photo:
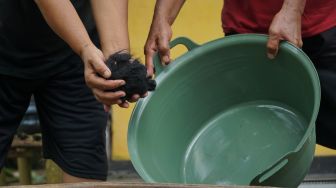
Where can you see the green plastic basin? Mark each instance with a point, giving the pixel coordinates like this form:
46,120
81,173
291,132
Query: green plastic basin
223,113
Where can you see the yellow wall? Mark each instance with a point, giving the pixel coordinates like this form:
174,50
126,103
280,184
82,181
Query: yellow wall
198,20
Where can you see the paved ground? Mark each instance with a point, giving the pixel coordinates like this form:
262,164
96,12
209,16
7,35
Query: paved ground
321,175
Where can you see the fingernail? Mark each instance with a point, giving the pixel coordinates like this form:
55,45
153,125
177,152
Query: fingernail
106,74
125,105
122,83
270,56
166,59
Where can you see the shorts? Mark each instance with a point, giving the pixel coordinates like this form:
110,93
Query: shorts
321,49
73,122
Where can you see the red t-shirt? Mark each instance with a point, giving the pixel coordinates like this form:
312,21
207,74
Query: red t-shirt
255,16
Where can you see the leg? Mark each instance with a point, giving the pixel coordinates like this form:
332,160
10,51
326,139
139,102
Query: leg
73,125
15,95
322,51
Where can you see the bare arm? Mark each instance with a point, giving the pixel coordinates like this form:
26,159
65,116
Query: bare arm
62,17
64,20
111,19
286,25
167,10
160,32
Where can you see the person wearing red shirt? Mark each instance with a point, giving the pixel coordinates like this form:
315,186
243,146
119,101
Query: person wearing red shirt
308,24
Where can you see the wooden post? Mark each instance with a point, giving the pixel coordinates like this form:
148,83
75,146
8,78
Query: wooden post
2,178
24,167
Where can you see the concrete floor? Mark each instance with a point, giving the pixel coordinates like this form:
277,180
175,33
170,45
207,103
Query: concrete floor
317,178
318,185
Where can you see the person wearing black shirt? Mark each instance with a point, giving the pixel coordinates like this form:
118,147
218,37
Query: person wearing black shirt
51,49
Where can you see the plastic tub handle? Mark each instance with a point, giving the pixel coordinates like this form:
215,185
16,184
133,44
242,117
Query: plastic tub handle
189,44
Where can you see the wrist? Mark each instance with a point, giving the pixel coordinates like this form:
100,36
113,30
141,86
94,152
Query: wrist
293,7
82,48
110,47
109,51
161,18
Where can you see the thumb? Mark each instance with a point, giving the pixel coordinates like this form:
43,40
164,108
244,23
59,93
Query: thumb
100,67
272,46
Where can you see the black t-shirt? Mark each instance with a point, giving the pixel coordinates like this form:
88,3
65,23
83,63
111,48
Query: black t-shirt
28,46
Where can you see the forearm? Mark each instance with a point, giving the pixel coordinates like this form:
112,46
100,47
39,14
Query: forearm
167,10
62,17
111,20
294,5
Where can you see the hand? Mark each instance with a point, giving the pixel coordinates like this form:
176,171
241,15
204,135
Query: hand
286,25
94,63
158,40
119,57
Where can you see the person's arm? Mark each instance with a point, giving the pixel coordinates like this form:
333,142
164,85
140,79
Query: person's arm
160,32
111,17
62,17
286,25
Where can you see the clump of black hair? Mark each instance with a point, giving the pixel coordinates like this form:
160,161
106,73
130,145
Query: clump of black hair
123,67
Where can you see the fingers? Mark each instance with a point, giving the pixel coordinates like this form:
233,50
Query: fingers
297,41
101,88
149,54
134,98
162,44
300,43
164,50
124,105
273,45
101,91
94,81
107,97
144,95
286,25
94,58
158,41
